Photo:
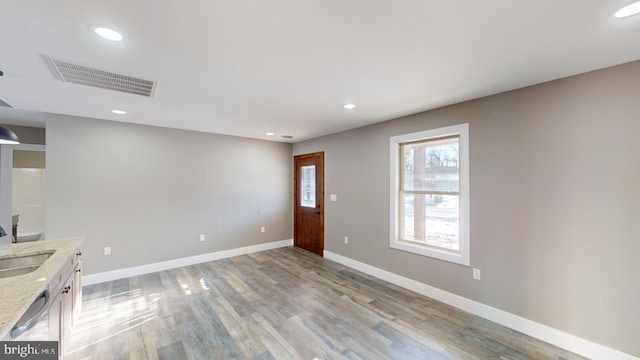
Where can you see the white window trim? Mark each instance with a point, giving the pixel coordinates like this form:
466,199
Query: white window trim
463,256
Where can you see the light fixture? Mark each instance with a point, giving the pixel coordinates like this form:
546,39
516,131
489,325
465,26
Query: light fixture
118,112
270,133
108,33
349,106
631,9
8,137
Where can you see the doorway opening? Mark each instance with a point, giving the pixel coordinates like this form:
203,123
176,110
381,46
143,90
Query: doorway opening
28,195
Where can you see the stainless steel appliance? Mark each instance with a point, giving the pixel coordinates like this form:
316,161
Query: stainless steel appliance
34,324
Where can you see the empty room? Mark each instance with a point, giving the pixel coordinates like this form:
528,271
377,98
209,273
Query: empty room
319,180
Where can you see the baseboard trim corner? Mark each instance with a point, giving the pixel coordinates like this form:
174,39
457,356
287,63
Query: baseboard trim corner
545,333
97,278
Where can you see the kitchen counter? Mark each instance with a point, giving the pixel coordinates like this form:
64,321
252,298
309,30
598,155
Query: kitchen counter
18,292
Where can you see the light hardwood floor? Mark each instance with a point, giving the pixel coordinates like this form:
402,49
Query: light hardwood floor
283,304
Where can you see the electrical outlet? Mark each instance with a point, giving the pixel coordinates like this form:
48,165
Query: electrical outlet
262,229
202,238
476,274
107,250
346,239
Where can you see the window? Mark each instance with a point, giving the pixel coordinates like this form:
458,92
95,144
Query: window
308,186
430,193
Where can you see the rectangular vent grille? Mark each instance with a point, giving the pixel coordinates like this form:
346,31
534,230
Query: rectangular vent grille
84,75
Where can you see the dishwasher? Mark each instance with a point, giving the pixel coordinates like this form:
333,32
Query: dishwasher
34,324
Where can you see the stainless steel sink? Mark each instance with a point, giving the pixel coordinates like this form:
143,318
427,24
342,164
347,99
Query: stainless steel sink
21,265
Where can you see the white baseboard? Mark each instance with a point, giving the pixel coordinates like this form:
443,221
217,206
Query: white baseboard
175,263
545,333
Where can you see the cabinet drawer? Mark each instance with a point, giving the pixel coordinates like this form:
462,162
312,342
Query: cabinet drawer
57,281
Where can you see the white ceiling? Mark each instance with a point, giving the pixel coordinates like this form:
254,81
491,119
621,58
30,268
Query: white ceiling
244,67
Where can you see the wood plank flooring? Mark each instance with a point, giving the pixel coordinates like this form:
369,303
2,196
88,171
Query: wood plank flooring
282,304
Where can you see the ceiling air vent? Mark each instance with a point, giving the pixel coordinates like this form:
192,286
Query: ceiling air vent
83,75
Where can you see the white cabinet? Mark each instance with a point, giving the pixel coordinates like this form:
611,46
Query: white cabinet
63,304
77,289
66,290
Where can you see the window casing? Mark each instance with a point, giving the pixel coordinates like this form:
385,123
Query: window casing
429,212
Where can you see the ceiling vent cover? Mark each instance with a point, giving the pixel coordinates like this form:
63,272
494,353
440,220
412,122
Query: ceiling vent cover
83,75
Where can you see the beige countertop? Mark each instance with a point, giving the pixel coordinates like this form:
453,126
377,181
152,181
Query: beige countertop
18,292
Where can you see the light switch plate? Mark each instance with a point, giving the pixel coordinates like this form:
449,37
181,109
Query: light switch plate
476,274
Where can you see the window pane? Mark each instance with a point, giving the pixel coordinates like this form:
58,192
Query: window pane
308,186
432,165
429,207
431,220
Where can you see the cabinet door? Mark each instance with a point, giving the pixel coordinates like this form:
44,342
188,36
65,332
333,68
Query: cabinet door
66,315
55,326
77,293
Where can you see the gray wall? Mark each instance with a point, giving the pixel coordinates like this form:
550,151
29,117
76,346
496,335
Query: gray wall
555,204
29,159
28,134
148,192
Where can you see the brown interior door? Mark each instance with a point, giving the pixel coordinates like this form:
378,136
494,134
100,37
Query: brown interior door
308,214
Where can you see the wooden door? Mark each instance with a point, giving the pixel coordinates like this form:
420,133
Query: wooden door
308,214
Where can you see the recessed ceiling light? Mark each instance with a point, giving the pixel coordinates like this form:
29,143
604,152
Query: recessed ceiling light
349,106
631,9
108,33
270,133
119,112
